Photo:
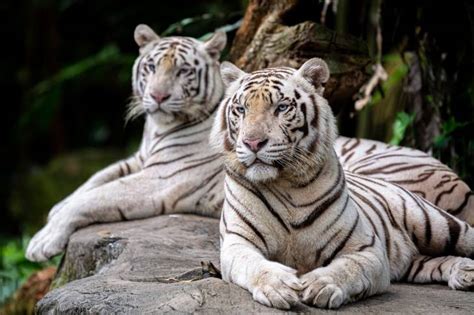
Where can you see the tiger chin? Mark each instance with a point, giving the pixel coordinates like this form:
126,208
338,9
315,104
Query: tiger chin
296,226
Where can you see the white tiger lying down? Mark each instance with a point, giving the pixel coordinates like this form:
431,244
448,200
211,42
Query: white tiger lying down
176,82
177,85
295,225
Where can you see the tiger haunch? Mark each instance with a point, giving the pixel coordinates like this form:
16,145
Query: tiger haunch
296,225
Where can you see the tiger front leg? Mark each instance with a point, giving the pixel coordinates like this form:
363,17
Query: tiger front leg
457,272
110,173
136,196
270,283
349,277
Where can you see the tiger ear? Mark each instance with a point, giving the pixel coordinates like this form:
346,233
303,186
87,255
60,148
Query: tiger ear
316,72
216,44
144,35
230,73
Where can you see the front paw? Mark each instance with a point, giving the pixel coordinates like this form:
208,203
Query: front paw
277,286
462,275
48,242
322,291
56,209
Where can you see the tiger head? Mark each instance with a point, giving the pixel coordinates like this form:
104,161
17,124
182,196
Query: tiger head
176,77
275,123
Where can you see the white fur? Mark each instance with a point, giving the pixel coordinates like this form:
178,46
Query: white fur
346,241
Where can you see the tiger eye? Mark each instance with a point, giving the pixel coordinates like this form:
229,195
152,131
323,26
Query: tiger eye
282,107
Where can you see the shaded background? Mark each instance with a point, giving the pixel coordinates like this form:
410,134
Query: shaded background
66,68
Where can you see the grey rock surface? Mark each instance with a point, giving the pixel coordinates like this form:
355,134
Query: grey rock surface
154,266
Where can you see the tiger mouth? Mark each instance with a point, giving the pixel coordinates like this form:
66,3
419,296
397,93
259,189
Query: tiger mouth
151,112
257,162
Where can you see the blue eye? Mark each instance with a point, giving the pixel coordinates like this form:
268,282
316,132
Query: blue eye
183,71
240,109
151,66
282,108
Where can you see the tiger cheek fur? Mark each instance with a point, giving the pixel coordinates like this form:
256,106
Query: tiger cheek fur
310,230
172,76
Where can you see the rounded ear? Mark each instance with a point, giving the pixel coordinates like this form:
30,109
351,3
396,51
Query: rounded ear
216,44
144,35
230,73
316,72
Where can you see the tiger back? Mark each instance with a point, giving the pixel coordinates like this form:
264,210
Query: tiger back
411,169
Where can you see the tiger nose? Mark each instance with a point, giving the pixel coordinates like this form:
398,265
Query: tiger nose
160,97
255,144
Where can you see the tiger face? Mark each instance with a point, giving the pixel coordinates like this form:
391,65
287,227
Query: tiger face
176,77
274,123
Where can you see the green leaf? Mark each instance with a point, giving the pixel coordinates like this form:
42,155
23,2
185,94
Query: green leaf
400,125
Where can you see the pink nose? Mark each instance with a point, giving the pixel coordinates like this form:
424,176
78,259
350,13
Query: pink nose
160,97
255,144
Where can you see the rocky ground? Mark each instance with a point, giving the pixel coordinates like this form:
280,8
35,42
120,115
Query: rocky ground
165,264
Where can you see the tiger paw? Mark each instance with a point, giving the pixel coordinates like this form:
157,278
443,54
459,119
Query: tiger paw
56,209
49,241
277,286
322,291
462,275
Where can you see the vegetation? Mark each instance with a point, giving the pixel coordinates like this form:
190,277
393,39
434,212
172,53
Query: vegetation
14,267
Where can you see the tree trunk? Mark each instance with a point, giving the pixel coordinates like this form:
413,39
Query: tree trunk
285,33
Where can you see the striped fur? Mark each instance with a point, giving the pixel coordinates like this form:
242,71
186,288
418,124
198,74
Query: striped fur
412,169
174,169
174,148
296,225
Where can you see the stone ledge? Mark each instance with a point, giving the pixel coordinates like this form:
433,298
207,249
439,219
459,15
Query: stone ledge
154,266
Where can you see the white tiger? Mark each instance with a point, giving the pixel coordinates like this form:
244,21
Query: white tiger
176,81
295,225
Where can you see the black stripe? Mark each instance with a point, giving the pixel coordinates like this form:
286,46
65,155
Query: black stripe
333,195
196,188
176,145
251,188
372,242
464,203
245,220
419,268
342,244
384,225
185,169
444,192
169,161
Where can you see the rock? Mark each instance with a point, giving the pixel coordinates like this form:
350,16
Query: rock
154,266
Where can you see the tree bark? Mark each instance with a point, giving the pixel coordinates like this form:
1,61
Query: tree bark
285,33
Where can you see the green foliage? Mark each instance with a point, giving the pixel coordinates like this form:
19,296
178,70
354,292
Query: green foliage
44,99
402,121
379,119
447,130
397,70
15,268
